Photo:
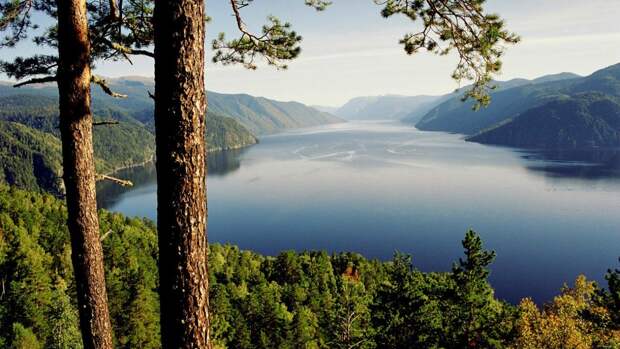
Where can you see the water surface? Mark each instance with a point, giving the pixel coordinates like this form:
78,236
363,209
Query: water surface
379,187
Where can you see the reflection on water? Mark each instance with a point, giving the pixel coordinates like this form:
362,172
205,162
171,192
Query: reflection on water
144,178
586,164
379,187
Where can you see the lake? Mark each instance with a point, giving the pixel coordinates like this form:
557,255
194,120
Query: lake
378,187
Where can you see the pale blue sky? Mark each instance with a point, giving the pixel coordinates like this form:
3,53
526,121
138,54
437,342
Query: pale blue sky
350,50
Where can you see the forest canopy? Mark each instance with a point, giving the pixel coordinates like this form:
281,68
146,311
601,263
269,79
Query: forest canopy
293,300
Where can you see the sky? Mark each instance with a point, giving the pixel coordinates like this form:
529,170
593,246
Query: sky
349,50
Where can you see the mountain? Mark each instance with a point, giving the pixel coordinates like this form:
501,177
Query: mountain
384,107
326,109
30,136
583,120
265,116
29,158
258,114
508,100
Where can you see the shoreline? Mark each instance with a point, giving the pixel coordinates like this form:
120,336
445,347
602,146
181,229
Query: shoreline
152,158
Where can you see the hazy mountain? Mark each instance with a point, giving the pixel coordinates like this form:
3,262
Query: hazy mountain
389,107
508,100
582,120
326,109
263,116
257,114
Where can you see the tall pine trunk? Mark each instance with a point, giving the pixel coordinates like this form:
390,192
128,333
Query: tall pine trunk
79,172
180,106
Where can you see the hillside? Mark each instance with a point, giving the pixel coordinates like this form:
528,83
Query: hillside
265,116
507,101
259,115
31,139
583,120
29,158
388,107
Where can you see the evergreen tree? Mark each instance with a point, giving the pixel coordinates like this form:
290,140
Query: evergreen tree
351,326
613,299
71,70
476,317
24,338
63,320
405,313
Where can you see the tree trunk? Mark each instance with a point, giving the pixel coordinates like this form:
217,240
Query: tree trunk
180,106
79,173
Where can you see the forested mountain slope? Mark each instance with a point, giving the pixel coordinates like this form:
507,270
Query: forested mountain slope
232,122
29,158
507,101
583,120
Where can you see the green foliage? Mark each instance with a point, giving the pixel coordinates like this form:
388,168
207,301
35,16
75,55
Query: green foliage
224,133
115,33
463,26
276,43
476,317
29,158
24,338
612,297
293,300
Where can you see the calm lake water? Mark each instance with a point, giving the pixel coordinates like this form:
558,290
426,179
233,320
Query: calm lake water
379,187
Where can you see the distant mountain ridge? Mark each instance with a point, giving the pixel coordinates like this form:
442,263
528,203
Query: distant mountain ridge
508,100
388,107
264,116
258,114
555,111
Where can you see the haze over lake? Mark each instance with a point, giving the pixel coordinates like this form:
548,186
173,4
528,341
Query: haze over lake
377,187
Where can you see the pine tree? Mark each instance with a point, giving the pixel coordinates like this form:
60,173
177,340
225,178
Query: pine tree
475,315
71,70
24,338
351,326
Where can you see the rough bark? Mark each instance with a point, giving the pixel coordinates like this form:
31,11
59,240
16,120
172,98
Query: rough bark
79,173
180,106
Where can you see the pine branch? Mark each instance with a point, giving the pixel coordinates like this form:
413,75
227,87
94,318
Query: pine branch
108,122
104,86
122,182
104,236
128,50
36,81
